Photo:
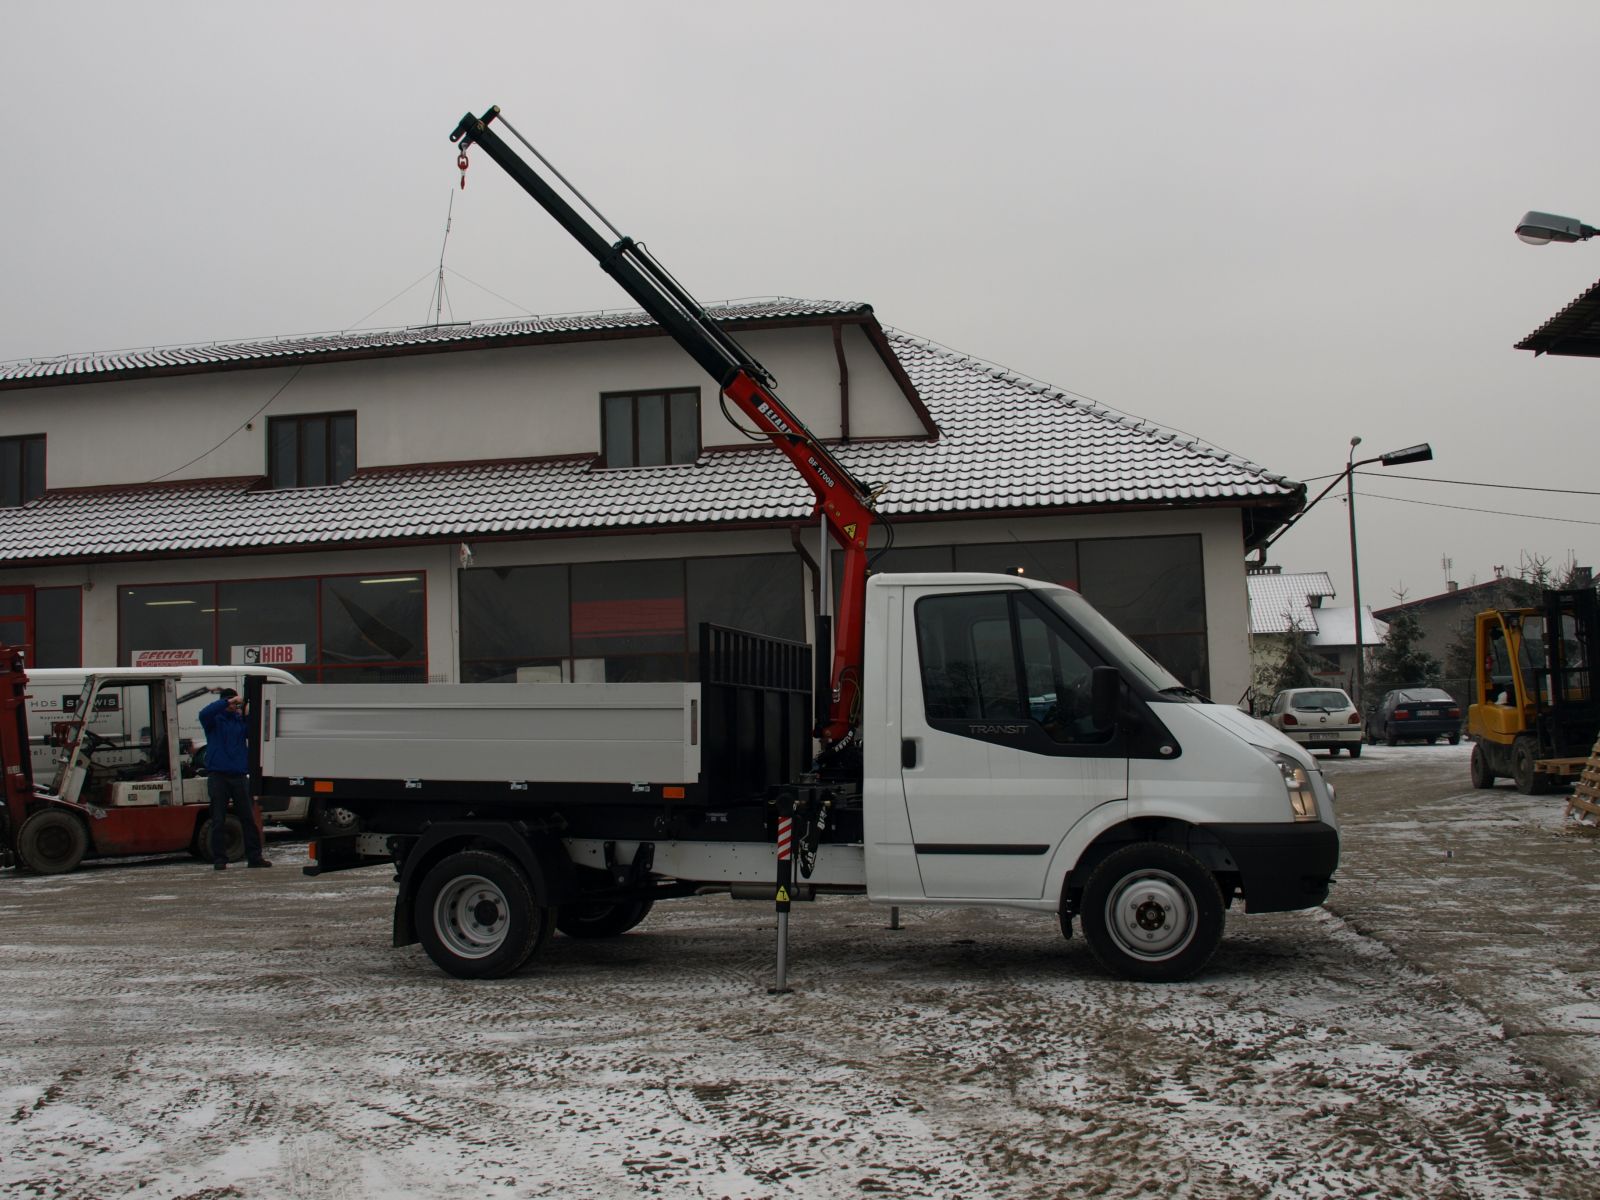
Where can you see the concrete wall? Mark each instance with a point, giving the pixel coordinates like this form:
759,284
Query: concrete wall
519,402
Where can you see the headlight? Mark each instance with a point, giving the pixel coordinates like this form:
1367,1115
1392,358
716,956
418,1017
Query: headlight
1297,782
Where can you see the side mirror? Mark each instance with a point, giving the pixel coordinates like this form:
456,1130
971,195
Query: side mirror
1105,691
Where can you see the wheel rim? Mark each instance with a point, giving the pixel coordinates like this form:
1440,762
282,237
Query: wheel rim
471,916
1151,915
54,843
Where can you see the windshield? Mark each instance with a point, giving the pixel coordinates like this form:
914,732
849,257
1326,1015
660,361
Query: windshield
1127,653
1329,701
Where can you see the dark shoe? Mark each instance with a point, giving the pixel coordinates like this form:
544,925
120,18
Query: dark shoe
260,862
219,866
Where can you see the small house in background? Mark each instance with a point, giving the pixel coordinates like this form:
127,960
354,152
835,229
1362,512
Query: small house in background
1283,602
1446,622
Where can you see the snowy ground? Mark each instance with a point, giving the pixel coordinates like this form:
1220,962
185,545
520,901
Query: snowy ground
173,1032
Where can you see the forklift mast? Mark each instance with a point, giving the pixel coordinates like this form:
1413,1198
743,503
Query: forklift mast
16,767
1563,670
844,502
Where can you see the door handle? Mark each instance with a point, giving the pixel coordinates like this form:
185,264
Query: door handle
908,752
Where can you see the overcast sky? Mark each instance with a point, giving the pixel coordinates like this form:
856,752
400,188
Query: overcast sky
1272,225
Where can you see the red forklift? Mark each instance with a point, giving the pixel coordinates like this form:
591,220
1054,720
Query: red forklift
131,791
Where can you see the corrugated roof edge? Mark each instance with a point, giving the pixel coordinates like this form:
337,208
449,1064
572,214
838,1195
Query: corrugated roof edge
1098,408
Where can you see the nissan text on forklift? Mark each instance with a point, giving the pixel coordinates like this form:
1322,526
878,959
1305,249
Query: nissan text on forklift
962,739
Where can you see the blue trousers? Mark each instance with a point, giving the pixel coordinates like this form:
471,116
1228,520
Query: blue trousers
234,789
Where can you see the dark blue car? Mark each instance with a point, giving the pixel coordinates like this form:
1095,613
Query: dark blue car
1418,714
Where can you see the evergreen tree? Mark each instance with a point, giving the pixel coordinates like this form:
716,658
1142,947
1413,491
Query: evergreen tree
1297,669
1400,661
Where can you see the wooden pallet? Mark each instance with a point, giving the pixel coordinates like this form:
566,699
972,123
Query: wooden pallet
1583,805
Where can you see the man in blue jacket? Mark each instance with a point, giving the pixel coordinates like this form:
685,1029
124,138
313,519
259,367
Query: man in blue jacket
228,777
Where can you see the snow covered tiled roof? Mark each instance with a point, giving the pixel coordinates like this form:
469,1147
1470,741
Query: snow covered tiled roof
1280,602
85,368
1337,627
1006,445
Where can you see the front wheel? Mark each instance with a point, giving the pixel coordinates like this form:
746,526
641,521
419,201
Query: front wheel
1523,759
1152,912
477,918
232,840
602,920
51,842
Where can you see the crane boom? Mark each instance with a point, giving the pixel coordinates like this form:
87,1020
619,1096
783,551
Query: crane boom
844,502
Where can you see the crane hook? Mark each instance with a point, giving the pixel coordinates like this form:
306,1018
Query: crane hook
461,161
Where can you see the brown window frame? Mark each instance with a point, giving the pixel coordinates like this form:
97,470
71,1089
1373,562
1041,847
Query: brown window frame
634,396
301,422
27,489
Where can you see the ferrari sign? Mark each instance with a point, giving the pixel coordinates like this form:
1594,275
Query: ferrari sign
168,658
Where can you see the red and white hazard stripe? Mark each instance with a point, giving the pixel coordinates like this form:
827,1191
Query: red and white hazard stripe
785,838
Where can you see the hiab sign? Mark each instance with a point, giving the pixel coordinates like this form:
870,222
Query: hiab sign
268,656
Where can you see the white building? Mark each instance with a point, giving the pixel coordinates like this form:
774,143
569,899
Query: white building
561,498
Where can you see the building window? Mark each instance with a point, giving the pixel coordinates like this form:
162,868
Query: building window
323,629
57,627
1151,588
615,622
311,451
650,429
21,469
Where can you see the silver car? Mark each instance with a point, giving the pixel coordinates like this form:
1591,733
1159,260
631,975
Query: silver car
1319,718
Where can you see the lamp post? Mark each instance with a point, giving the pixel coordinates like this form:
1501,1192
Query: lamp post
1540,229
1419,453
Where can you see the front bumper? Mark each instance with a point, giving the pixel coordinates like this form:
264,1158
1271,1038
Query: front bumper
1282,865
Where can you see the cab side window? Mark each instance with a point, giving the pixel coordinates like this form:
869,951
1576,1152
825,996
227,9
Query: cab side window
969,671
991,656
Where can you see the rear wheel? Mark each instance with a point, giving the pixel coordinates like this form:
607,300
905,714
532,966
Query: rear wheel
1455,739
51,842
334,820
1355,749
1482,776
1529,781
602,920
1152,912
1390,737
477,918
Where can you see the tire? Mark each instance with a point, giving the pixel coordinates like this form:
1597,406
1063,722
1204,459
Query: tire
232,840
1390,738
1529,781
1333,752
51,842
335,820
1152,912
1355,749
476,916
602,920
1454,739
1482,776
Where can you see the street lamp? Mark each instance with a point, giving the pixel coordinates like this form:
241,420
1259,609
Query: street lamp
1410,454
1540,229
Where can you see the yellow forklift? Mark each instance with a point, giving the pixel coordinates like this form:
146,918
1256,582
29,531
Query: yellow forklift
1533,715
